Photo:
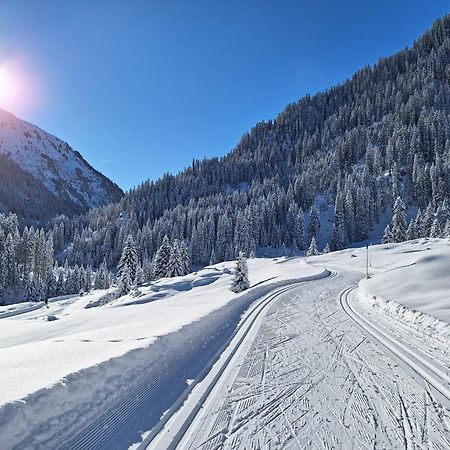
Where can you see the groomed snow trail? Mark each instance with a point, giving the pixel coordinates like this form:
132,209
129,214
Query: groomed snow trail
430,370
314,379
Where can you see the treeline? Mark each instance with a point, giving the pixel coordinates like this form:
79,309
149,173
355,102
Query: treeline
358,147
29,270
384,133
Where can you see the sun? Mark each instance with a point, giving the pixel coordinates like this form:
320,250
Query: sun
7,87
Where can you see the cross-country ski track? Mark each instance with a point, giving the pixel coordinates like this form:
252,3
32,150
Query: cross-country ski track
311,372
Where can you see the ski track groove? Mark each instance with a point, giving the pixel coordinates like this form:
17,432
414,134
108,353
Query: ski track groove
349,392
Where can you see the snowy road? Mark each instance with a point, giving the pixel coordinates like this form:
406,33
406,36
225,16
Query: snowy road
312,378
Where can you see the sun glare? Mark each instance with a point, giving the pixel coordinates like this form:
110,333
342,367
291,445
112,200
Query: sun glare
7,87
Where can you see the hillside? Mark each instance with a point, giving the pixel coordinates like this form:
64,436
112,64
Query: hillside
43,176
350,151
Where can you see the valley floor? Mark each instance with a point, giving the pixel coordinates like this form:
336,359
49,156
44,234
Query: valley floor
301,370
313,379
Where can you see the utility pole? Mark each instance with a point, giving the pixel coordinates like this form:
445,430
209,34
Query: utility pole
367,260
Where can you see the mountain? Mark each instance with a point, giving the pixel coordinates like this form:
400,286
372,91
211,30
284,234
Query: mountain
331,166
42,176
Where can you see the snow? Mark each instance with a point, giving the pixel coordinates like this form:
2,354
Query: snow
305,375
53,162
84,336
311,378
420,281
414,274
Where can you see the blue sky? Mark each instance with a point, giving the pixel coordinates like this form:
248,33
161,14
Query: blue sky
141,88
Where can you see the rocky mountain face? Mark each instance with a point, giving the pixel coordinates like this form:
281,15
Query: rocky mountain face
42,176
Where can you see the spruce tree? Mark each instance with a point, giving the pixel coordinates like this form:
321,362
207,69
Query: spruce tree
125,282
435,231
398,224
240,275
314,222
313,250
184,254
387,235
162,258
129,259
299,230
175,266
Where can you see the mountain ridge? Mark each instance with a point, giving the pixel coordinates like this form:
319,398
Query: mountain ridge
63,178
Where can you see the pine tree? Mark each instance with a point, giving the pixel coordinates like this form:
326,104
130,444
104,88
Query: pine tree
162,258
387,235
299,230
124,283
418,225
427,220
129,259
398,224
337,240
326,249
175,266
184,254
313,250
240,275
435,231
411,232
314,222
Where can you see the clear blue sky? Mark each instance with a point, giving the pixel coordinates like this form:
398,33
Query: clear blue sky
142,87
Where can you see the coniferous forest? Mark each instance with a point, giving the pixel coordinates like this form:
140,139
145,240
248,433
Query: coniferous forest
374,148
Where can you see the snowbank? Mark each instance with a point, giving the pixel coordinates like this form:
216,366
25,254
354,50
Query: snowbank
90,360
85,336
419,281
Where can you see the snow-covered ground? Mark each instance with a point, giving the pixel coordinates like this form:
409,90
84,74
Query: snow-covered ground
49,362
303,372
415,274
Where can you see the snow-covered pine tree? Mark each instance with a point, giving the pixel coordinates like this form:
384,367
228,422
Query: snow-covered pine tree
102,277
124,283
337,240
162,258
411,232
326,249
184,254
427,220
387,235
175,267
299,230
313,250
240,275
418,225
129,259
435,231
314,222
398,224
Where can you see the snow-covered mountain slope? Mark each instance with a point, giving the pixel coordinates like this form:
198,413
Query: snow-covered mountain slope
43,176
